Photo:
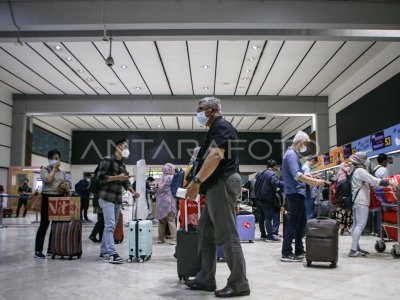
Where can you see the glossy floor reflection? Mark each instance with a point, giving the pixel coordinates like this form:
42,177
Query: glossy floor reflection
22,277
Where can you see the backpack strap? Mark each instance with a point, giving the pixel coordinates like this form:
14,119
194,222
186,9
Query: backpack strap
376,169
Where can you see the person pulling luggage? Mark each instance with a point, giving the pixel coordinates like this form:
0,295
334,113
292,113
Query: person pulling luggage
218,178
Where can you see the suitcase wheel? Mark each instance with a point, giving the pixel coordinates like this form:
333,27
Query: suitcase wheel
380,246
333,265
141,260
130,259
309,262
184,278
394,253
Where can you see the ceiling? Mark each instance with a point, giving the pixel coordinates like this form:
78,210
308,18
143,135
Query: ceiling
302,68
67,123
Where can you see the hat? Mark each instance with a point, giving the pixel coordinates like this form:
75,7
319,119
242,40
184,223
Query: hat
359,158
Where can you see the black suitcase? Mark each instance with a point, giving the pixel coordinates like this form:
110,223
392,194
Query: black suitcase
322,239
188,259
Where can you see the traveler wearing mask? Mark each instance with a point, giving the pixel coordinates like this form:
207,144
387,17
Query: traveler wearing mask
24,192
113,176
52,178
82,188
218,178
267,183
295,189
360,182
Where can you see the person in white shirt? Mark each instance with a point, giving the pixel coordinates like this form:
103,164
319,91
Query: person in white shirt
311,191
360,182
381,170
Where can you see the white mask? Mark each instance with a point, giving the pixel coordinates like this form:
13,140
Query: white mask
125,153
202,118
52,162
303,149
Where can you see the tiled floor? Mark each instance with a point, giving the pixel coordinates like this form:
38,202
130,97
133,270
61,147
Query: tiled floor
22,277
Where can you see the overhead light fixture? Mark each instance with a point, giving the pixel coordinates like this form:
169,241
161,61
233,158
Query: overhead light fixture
111,83
110,59
138,88
89,79
158,126
247,71
242,87
251,58
206,87
124,67
97,88
58,47
226,83
205,66
80,71
245,78
68,58
255,47
154,117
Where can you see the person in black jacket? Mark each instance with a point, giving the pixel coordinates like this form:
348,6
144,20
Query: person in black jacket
82,188
265,187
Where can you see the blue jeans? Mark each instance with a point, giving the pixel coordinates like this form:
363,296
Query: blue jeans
295,226
276,222
310,211
111,214
360,218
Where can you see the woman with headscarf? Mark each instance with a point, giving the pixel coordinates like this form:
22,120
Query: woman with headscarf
166,204
361,179
344,216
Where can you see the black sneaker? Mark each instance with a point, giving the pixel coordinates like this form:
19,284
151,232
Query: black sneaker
291,258
39,255
104,255
116,259
93,239
301,254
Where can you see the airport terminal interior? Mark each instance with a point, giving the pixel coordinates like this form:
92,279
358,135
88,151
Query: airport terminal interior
76,77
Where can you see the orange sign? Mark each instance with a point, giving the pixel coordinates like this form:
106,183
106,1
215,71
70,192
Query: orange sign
330,159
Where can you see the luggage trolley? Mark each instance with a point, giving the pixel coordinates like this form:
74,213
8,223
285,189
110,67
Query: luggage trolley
390,220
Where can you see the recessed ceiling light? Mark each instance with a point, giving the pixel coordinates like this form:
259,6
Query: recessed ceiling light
124,66
251,58
206,87
58,47
89,79
205,66
158,126
68,58
245,78
154,117
227,83
255,47
242,87
111,83
80,71
97,88
247,71
138,88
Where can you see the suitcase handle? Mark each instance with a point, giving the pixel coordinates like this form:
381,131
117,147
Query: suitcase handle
319,195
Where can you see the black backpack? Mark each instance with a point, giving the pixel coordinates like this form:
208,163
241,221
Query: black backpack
94,182
343,192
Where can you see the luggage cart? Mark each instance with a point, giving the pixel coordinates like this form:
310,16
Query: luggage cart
380,245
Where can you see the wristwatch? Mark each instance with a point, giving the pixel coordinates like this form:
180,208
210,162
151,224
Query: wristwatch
196,180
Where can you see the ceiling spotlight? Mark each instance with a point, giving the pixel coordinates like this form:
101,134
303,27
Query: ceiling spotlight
255,47
248,71
251,58
80,71
138,88
124,67
245,78
111,83
97,88
205,66
89,79
68,58
58,47
158,126
206,87
154,117
242,87
226,83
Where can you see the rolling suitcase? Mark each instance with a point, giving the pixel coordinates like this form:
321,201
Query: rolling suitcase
119,229
66,239
322,239
140,239
246,227
187,254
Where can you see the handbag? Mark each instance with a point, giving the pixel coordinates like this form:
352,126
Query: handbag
36,202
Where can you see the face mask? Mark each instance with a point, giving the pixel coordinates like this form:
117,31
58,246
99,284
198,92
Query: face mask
52,162
88,179
303,149
125,153
201,118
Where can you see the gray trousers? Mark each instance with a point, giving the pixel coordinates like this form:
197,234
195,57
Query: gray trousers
217,226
